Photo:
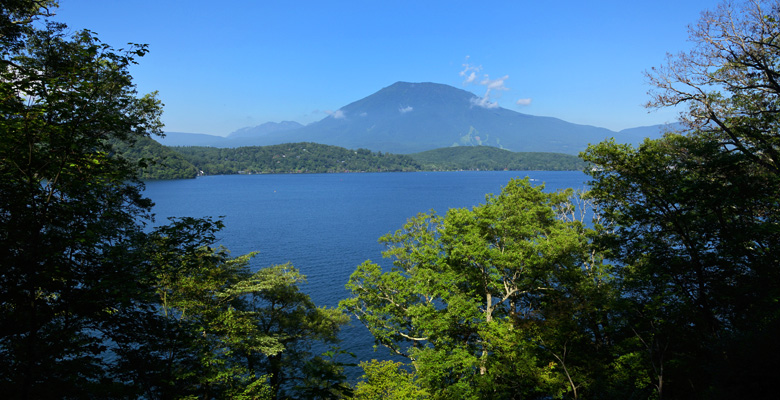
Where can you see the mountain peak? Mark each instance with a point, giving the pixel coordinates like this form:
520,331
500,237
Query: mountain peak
407,97
427,88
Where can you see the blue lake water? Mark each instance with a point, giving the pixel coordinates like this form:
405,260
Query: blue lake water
328,224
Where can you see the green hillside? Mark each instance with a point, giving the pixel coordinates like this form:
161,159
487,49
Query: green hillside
186,162
161,162
485,158
293,158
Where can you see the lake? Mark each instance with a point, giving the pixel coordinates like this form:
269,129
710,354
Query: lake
327,224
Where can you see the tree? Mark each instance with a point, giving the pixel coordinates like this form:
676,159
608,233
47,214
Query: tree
695,215
16,17
695,230
196,341
68,211
324,377
156,161
387,380
283,312
92,304
504,300
729,80
223,331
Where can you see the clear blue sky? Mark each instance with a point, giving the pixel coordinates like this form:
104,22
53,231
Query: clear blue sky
224,65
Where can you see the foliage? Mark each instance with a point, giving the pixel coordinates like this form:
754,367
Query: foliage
500,301
194,344
729,80
186,162
156,161
293,158
485,158
387,380
93,304
696,215
68,211
224,329
283,312
696,231
324,377
16,17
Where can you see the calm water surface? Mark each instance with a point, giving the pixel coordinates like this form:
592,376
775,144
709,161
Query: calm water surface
327,224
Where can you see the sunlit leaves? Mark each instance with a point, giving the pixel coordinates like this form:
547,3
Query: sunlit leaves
487,301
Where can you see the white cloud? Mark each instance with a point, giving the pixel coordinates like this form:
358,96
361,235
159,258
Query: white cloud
483,102
338,114
405,110
495,84
470,72
523,102
491,84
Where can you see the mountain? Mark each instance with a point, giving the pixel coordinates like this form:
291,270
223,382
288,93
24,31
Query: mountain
243,137
264,129
413,117
637,135
191,139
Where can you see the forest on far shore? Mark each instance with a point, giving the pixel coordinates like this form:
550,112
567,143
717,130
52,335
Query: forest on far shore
162,162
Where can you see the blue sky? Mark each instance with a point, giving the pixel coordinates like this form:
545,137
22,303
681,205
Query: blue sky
221,66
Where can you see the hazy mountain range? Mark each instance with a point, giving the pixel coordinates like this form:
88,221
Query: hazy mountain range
412,117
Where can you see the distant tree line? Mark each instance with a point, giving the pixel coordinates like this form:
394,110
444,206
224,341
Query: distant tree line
485,158
292,158
161,162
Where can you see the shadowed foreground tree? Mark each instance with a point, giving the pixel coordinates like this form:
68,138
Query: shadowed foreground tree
696,214
223,331
68,211
92,305
16,17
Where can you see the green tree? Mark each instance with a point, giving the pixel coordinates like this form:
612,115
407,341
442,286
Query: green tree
92,304
217,330
504,300
16,17
387,380
696,233
285,313
155,160
324,376
695,215
292,158
729,80
197,341
68,211
224,331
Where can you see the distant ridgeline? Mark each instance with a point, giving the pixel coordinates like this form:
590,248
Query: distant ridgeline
486,158
187,162
293,158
